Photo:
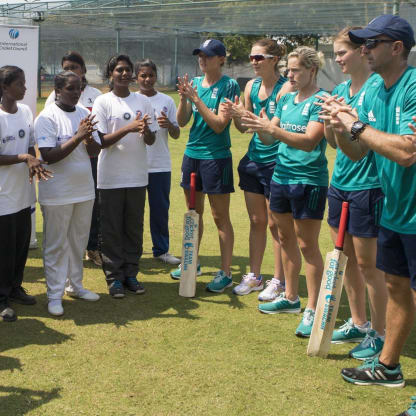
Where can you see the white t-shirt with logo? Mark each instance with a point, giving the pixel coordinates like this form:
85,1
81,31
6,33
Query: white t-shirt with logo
158,155
88,96
72,180
124,164
16,136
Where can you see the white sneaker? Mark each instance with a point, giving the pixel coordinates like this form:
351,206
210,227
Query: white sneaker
84,294
249,282
273,288
55,307
168,258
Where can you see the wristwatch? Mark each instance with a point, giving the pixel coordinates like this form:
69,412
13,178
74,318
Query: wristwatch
356,129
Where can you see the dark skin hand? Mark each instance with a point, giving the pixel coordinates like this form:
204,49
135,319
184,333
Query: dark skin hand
84,134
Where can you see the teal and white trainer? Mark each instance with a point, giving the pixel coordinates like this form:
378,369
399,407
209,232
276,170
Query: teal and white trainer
273,288
249,282
281,305
411,411
176,274
305,327
372,372
370,347
220,282
349,333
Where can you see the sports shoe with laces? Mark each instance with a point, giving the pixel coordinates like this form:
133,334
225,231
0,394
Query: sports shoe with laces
273,288
168,258
94,256
133,285
84,294
411,411
249,282
370,347
305,327
220,282
176,274
20,295
116,289
348,332
281,305
373,372
7,314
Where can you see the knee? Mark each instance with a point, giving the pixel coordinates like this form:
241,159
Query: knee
397,285
308,249
287,239
257,221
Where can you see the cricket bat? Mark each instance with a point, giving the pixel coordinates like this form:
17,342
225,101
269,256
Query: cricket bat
329,294
187,283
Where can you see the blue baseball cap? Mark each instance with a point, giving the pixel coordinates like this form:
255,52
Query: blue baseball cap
211,47
394,27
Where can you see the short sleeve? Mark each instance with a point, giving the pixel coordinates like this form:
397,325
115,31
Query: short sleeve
232,89
101,116
50,99
315,109
45,131
280,104
172,112
408,110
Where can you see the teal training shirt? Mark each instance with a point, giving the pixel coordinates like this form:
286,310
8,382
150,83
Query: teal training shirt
257,151
203,142
390,110
349,175
294,166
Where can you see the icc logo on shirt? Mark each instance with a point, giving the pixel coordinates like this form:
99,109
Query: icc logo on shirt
127,116
21,133
13,33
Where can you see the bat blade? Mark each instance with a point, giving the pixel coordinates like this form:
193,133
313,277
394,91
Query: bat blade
328,304
329,294
187,283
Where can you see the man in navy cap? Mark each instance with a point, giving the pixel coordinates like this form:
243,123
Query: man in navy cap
383,126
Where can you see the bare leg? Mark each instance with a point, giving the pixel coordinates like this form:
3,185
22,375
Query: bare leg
366,252
353,281
307,232
277,249
399,318
257,212
291,258
220,208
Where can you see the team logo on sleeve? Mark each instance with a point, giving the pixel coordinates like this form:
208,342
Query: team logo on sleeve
165,109
138,113
371,116
284,107
127,116
272,106
22,133
397,116
214,93
361,99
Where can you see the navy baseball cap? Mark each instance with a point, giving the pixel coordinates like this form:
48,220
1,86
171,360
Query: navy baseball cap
394,27
211,47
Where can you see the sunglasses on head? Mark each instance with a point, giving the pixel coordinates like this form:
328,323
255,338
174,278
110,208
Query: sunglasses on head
373,43
259,57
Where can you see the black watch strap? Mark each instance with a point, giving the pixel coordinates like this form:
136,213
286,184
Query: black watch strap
356,129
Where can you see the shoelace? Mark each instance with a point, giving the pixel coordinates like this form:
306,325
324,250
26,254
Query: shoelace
369,341
117,284
308,316
271,283
347,327
219,277
413,405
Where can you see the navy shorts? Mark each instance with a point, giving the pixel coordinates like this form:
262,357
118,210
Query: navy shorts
213,176
255,177
396,254
303,201
364,211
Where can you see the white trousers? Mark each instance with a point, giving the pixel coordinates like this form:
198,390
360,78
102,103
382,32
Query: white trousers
66,230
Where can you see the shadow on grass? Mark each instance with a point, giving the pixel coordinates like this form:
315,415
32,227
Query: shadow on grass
16,401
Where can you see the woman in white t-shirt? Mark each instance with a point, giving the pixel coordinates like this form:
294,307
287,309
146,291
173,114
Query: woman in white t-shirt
73,61
65,136
126,124
158,160
18,165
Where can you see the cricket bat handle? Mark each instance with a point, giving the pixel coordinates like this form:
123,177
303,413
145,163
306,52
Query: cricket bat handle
193,191
339,244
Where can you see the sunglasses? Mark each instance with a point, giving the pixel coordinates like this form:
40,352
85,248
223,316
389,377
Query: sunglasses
259,57
373,43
